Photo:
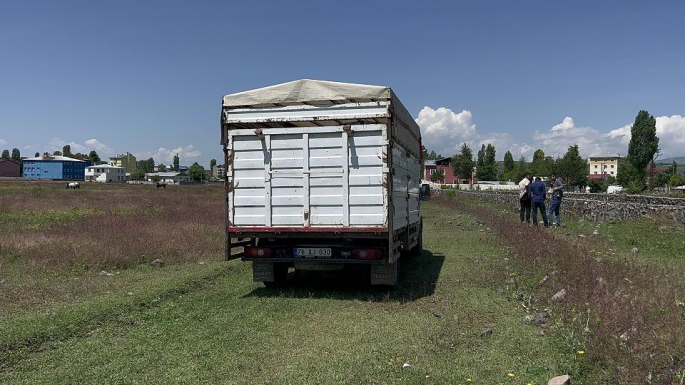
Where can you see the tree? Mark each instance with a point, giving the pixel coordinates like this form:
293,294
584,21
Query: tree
438,175
176,162
481,171
138,175
212,163
161,167
509,164
643,145
94,158
490,163
37,154
538,166
16,155
196,172
676,180
147,165
572,168
597,186
5,154
660,179
462,163
643,141
66,151
57,153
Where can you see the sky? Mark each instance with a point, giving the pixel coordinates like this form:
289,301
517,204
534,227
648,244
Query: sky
147,77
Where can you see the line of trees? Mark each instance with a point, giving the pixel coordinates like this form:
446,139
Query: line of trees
571,167
15,156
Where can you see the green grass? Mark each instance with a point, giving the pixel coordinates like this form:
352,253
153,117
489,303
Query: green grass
226,329
38,219
624,308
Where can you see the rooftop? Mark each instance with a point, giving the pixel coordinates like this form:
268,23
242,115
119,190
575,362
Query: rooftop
56,158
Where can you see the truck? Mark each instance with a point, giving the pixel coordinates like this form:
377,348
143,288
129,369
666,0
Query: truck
321,176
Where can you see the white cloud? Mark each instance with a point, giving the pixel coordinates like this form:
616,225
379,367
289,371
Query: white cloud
86,147
3,142
166,156
590,141
443,131
671,133
97,146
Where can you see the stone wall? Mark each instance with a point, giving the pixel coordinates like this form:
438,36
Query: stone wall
598,207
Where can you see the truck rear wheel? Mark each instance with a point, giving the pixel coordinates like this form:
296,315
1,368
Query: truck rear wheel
280,275
418,249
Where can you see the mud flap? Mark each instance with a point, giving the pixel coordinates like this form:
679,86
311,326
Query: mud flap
263,272
387,274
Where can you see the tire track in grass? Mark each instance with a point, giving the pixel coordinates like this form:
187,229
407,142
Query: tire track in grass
81,320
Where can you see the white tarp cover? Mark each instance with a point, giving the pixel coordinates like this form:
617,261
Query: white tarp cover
307,91
320,92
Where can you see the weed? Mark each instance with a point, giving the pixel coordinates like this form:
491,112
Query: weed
620,313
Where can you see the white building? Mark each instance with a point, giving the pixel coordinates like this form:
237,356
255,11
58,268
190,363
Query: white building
219,171
172,177
105,173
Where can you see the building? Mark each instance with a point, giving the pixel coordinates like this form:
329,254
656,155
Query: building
105,173
9,168
54,167
444,164
219,171
171,177
602,167
127,161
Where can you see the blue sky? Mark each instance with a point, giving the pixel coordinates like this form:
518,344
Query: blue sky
148,76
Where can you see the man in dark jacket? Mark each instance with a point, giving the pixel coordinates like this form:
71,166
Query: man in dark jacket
538,193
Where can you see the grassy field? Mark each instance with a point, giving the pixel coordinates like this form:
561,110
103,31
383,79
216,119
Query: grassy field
624,283
82,304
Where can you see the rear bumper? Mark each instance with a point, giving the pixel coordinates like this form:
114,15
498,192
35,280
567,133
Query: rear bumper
309,232
317,260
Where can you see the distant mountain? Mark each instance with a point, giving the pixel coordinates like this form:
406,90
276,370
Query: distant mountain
678,159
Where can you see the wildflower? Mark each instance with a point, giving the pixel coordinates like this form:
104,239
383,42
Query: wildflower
510,374
469,380
581,351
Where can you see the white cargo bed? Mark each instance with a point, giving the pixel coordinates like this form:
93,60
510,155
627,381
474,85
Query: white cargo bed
317,156
308,177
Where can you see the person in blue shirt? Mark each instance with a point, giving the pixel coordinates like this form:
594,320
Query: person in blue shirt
557,193
538,193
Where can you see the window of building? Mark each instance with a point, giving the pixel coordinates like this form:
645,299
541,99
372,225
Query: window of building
612,166
595,172
595,166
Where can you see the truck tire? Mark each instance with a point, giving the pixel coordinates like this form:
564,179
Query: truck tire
280,275
418,249
396,284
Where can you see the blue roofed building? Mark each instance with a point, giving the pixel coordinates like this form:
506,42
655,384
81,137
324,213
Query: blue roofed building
55,168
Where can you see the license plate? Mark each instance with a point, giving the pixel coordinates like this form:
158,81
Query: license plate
313,252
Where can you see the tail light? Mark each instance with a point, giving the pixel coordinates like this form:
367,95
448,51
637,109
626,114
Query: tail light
257,252
367,254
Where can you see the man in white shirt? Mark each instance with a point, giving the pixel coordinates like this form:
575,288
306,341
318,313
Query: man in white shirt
524,198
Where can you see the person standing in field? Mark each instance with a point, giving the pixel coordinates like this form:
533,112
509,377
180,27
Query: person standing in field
524,198
557,194
538,194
